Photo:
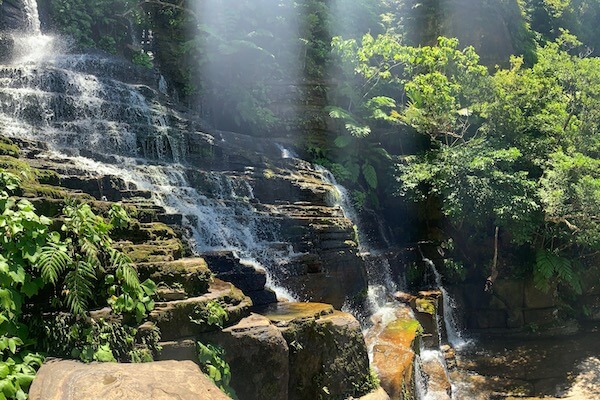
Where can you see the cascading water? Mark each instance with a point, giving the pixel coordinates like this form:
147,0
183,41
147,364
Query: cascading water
80,104
455,337
379,273
33,16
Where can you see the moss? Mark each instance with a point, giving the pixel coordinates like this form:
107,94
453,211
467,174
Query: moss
269,174
8,149
426,305
18,167
46,176
156,251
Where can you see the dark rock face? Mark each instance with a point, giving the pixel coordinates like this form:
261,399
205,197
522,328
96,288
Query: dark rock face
258,356
12,15
512,304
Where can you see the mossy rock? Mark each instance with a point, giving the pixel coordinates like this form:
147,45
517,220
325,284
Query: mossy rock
8,148
16,166
138,233
190,274
328,355
174,318
47,176
153,251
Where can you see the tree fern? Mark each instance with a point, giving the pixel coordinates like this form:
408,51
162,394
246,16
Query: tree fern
53,261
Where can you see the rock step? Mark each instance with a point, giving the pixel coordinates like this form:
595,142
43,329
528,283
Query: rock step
173,318
152,251
248,278
191,275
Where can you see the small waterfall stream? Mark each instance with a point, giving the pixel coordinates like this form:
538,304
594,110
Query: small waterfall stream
381,282
455,336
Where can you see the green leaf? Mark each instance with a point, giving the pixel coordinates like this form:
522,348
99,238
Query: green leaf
4,370
370,175
104,354
342,141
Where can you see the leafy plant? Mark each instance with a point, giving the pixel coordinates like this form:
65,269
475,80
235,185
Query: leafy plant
212,364
549,265
212,313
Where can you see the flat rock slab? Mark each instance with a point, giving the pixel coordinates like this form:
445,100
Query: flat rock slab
162,380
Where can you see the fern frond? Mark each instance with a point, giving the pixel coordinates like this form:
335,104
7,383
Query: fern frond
124,269
548,265
89,248
79,284
53,261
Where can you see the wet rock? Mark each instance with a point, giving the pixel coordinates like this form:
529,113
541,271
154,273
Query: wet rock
258,356
394,355
248,278
73,380
427,307
402,297
433,369
12,15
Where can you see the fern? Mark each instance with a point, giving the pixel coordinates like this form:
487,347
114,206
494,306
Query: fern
79,285
90,250
53,261
549,265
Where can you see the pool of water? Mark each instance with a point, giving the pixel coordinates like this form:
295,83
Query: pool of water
500,367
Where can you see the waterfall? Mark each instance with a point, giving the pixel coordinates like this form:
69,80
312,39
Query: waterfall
455,337
379,272
32,46
105,117
33,17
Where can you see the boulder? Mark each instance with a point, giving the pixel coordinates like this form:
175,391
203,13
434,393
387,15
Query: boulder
327,353
394,355
258,356
162,380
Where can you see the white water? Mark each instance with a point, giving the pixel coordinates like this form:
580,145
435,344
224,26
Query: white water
49,99
425,388
33,17
455,336
32,46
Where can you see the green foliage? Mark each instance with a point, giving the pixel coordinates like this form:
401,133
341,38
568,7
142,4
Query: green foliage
480,187
212,314
102,24
550,266
32,257
143,59
212,364
65,335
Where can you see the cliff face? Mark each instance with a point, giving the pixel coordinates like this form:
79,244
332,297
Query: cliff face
113,134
